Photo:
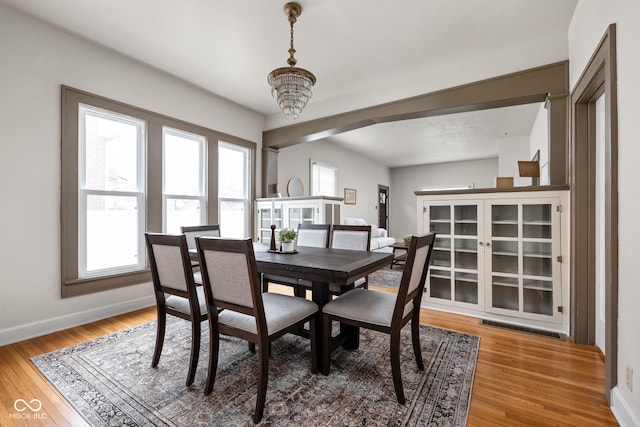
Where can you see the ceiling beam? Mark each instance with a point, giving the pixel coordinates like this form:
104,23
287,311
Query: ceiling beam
532,85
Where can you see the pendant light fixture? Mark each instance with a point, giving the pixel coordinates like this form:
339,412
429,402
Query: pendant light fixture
292,87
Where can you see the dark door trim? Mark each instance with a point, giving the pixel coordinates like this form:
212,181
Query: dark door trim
384,188
599,76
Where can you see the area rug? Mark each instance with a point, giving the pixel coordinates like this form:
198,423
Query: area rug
109,381
387,277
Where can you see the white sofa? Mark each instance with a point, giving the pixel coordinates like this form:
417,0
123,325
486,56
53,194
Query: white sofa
380,241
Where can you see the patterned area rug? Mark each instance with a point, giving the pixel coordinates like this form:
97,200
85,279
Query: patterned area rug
387,277
110,382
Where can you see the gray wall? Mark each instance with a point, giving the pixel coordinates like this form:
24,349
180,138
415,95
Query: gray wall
354,171
404,181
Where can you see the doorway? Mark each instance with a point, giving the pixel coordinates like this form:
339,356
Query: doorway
594,206
383,207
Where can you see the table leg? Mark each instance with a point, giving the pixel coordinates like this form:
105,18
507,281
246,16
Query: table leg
319,295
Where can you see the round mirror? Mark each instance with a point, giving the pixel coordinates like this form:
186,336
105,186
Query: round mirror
295,188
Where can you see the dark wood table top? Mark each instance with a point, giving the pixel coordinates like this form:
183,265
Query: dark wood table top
322,265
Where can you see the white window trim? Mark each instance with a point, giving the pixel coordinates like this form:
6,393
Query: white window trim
203,197
84,193
312,184
247,190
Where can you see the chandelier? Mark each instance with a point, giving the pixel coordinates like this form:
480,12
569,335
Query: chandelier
289,85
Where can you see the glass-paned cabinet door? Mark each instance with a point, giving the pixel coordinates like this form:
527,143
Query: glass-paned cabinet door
455,268
523,271
268,213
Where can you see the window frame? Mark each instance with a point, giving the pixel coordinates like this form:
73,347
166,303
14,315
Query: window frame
71,99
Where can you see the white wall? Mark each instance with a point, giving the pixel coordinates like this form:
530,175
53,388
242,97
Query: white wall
510,150
36,60
405,181
354,171
589,23
539,140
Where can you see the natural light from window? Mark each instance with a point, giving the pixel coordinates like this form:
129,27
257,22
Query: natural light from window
233,190
111,192
184,177
323,179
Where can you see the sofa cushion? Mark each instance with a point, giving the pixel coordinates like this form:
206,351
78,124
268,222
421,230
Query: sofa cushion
354,221
381,242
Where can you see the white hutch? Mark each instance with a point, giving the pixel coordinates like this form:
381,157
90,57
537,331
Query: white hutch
288,212
500,255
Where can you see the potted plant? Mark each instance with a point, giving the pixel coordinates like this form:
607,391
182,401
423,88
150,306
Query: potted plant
287,237
407,238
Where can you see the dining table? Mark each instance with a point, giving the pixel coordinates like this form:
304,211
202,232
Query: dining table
322,267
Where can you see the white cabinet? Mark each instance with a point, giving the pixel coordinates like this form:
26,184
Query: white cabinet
497,254
455,266
522,251
289,212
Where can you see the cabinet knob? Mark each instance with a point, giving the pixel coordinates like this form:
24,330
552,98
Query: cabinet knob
481,243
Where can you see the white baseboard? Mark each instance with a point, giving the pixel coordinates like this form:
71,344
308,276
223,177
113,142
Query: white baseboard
47,326
622,410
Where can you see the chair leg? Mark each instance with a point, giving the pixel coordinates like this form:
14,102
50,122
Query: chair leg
326,344
263,372
395,367
252,347
161,326
214,346
415,338
265,284
195,350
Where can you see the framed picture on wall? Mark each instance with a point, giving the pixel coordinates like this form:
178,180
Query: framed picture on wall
349,196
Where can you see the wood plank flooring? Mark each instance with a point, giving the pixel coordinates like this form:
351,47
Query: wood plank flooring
520,380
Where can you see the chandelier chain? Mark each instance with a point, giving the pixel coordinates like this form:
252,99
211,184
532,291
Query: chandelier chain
291,61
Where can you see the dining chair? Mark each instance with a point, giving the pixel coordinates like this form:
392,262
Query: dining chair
354,238
192,231
385,312
176,292
232,284
309,235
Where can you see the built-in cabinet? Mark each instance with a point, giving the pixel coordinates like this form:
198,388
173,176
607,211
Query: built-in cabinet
499,254
289,212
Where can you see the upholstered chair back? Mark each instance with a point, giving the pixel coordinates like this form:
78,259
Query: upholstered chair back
415,273
351,237
191,232
314,235
228,275
167,256
231,275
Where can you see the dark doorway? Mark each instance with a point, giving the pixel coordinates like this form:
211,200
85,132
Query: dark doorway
383,207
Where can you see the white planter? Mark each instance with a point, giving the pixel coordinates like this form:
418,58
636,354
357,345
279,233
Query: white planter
287,247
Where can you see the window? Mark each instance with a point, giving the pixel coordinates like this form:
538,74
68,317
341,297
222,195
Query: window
184,194
234,165
110,192
324,181
125,171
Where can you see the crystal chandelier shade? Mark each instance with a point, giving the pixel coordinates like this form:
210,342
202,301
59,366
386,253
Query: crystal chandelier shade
292,87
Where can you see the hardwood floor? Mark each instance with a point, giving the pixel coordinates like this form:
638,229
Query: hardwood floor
520,380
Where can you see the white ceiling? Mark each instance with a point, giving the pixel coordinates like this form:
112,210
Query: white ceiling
440,139
362,52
